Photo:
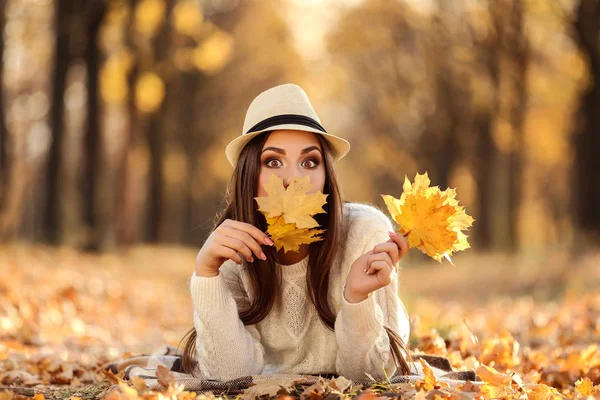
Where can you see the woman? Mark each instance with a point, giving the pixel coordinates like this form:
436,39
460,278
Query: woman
331,307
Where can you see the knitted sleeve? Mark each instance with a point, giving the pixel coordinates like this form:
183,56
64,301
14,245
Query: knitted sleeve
226,348
363,343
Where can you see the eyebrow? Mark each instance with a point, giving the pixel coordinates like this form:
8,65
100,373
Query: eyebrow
282,151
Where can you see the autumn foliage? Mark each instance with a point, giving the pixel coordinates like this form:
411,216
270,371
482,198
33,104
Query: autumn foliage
430,218
64,313
289,212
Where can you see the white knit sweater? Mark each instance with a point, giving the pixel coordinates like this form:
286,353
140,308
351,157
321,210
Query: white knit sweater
292,338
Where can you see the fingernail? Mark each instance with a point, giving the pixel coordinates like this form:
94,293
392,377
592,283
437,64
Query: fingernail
251,259
393,234
263,256
269,241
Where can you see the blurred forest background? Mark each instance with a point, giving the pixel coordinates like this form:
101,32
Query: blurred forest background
114,114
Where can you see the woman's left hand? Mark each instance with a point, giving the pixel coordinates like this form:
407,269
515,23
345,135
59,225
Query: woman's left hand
373,270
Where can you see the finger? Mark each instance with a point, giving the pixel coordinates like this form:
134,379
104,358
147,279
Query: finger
383,271
229,253
236,245
253,231
389,247
379,257
383,256
247,239
401,242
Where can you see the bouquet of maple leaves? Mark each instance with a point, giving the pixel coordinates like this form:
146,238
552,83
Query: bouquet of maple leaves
431,219
289,212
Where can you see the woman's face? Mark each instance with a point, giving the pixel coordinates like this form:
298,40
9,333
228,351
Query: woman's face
288,154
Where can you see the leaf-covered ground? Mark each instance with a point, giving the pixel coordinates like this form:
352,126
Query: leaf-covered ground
529,326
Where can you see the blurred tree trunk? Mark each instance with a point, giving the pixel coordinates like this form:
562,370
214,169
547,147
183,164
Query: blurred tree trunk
438,146
94,14
65,10
194,138
517,46
439,141
4,135
486,152
499,161
485,149
155,183
11,189
452,99
174,170
586,193
127,215
76,37
156,140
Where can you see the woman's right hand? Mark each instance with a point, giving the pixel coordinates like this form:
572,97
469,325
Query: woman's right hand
229,241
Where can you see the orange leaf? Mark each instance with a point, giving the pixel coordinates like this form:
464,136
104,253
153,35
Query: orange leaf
295,204
289,212
585,387
288,236
428,382
431,218
164,376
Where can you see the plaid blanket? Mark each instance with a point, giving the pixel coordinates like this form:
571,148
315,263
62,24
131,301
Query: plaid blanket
145,366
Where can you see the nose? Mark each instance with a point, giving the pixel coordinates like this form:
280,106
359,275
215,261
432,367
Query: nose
294,172
286,181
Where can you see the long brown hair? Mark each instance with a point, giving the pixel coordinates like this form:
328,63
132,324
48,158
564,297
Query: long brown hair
265,277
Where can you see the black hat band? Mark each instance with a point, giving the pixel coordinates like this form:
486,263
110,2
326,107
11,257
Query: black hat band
286,119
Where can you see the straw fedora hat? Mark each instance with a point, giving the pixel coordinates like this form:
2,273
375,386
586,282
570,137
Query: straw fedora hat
282,107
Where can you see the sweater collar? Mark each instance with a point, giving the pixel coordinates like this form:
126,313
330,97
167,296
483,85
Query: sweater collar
296,268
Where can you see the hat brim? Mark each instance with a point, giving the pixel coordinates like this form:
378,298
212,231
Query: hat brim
340,146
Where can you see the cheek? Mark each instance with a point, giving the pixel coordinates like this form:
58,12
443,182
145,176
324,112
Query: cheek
318,178
261,181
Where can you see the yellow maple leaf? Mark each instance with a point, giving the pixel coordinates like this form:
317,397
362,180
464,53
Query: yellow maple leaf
430,218
579,362
543,392
294,203
493,377
498,385
585,387
428,382
288,236
289,212
502,349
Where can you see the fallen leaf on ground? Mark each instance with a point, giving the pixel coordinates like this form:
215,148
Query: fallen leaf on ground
270,387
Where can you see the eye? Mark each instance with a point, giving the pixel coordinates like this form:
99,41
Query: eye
311,163
272,163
